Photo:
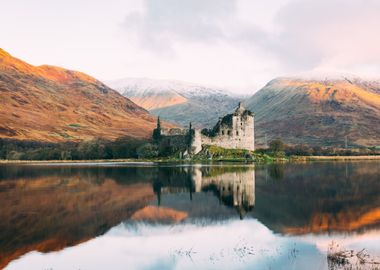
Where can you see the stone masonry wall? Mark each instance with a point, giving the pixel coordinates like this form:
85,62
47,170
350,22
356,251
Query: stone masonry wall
239,136
233,131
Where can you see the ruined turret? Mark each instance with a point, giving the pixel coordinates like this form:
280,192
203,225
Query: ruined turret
157,131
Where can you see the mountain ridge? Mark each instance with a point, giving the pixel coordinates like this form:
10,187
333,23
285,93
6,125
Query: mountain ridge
179,102
53,104
315,112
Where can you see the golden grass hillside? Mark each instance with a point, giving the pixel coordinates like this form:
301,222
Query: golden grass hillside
52,104
318,112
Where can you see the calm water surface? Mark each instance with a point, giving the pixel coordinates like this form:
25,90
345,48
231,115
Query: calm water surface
217,216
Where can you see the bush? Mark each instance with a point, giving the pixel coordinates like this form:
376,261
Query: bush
14,155
66,155
94,149
147,150
276,146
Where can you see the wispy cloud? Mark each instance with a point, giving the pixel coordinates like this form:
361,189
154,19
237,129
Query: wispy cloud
239,44
298,36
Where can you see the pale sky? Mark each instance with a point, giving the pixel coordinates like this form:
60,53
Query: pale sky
236,44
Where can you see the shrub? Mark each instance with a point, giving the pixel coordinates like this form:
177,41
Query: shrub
147,150
276,146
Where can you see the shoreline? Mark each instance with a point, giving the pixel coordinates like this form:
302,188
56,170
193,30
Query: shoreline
333,158
152,162
80,162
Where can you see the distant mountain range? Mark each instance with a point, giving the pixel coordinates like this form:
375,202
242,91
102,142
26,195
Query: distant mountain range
322,111
317,111
48,103
52,104
178,102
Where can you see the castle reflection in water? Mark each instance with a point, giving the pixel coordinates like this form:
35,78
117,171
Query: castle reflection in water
235,188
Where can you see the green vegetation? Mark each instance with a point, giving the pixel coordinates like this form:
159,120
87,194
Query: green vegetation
75,126
87,150
211,152
130,148
147,150
276,146
304,150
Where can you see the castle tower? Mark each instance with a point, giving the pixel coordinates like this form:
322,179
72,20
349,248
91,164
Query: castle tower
158,123
157,131
240,109
233,131
243,128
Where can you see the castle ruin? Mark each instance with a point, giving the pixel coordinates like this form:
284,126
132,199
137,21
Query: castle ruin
233,131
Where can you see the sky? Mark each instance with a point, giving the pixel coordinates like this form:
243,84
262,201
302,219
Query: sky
234,44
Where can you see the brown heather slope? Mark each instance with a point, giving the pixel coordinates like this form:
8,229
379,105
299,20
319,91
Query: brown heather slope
318,112
47,103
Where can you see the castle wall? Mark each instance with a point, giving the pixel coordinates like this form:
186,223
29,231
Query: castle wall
174,132
196,144
175,142
238,136
233,131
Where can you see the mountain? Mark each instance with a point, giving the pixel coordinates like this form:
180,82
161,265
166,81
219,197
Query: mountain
178,102
47,103
318,111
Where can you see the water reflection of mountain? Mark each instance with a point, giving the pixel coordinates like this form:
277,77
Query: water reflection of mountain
319,197
50,208
288,198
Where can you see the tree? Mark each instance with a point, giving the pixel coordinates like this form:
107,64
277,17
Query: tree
14,155
276,146
147,150
66,155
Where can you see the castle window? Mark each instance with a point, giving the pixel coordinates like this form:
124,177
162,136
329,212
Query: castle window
222,132
237,133
229,132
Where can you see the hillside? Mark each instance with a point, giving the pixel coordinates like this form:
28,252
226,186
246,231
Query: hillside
178,102
48,103
318,112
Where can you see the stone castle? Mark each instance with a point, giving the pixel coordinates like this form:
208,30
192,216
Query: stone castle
233,131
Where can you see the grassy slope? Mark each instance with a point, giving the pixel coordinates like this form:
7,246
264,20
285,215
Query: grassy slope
318,112
52,104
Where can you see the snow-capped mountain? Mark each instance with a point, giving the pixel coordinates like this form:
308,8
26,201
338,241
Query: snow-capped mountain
178,102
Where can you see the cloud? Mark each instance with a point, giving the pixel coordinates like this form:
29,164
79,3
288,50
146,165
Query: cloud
327,33
238,44
290,35
163,23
